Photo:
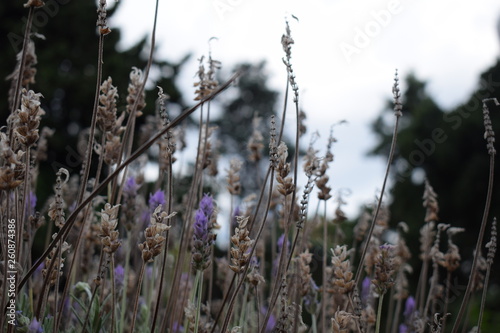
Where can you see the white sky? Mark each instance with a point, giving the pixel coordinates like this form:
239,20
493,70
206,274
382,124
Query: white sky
448,43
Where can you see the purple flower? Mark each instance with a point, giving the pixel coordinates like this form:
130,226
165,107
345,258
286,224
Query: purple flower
234,222
254,261
177,327
203,237
409,307
403,328
38,271
149,272
271,322
207,205
119,276
280,243
35,326
156,199
131,187
200,226
31,201
311,301
365,289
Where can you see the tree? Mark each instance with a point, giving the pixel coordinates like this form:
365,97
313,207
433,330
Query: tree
253,98
446,147
66,70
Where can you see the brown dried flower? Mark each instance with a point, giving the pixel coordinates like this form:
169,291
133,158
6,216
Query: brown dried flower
109,222
398,107
56,209
452,256
27,119
154,238
430,203
489,134
106,111
255,144
303,261
29,70
285,182
58,265
102,21
341,271
341,321
233,177
136,78
492,244
240,252
385,269
12,171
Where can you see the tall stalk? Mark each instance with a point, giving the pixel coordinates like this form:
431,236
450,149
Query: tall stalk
398,107
490,139
136,301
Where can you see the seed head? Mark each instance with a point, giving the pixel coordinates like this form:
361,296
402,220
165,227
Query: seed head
384,269
398,106
489,134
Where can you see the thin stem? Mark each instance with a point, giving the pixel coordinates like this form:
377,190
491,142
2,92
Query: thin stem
422,281
446,299
314,325
323,262
259,233
244,307
125,282
90,145
379,204
482,230
199,279
136,302
77,251
87,314
132,116
379,313
113,294
165,251
27,31
483,299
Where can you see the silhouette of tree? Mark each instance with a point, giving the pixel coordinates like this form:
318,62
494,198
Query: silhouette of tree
67,68
446,147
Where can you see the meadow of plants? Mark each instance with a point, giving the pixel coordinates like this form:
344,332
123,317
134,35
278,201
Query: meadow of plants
123,254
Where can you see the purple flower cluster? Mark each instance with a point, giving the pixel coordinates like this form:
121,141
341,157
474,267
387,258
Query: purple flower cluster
409,314
203,237
131,187
31,201
311,301
156,199
35,326
119,276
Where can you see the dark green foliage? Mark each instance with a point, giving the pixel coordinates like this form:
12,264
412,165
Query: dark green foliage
66,72
447,146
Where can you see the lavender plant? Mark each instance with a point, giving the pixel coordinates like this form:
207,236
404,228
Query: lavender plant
130,256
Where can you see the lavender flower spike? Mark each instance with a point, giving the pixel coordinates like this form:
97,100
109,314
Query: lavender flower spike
409,308
35,326
203,237
119,276
207,205
156,199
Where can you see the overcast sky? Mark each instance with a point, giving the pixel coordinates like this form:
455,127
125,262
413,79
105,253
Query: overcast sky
344,57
